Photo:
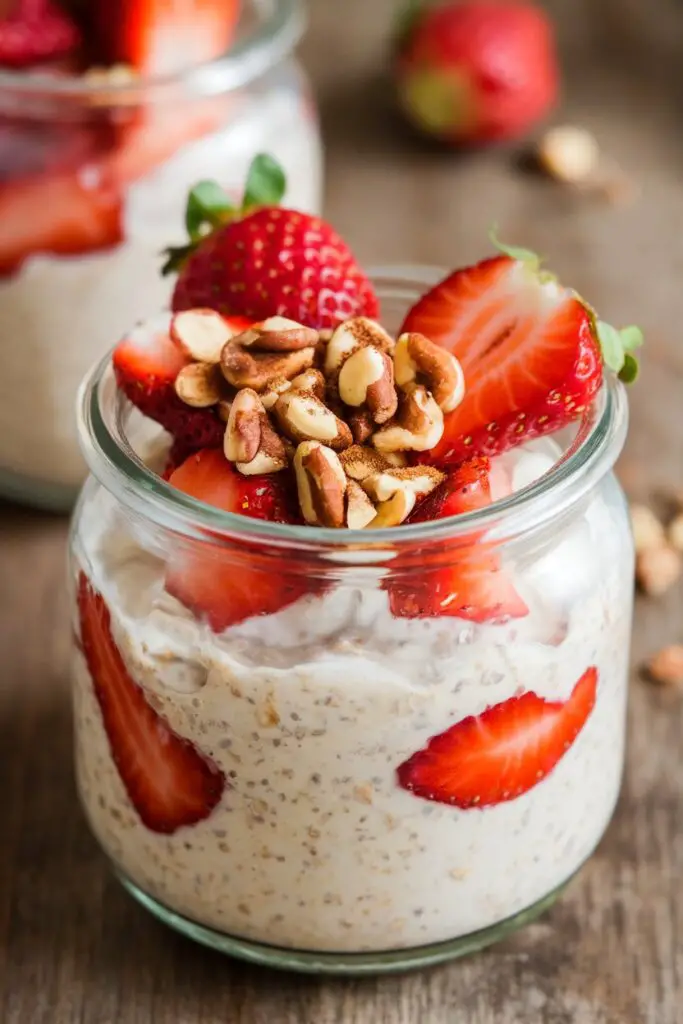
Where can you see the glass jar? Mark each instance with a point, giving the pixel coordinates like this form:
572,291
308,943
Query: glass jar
305,845
93,181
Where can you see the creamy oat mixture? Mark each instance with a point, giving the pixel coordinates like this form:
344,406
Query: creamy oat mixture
309,712
64,311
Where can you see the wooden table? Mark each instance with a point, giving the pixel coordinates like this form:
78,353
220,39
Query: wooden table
74,949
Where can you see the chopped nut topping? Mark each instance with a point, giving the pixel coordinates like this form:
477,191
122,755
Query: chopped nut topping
243,432
568,153
244,369
272,455
273,389
201,334
311,380
648,532
271,370
321,484
394,511
417,427
359,462
362,427
278,334
419,360
417,480
359,509
657,569
675,533
367,379
303,417
666,667
198,385
351,336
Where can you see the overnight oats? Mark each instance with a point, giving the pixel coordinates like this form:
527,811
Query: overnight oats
105,123
352,599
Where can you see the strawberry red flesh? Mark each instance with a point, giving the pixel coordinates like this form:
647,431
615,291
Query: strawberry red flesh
159,37
169,782
467,580
528,350
223,585
276,261
146,364
502,753
63,214
33,31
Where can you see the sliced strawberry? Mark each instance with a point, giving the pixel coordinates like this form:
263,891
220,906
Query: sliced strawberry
159,37
470,584
63,213
502,753
155,133
528,349
227,585
465,489
33,31
169,782
146,364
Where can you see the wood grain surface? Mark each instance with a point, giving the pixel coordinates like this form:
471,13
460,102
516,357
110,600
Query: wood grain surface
74,949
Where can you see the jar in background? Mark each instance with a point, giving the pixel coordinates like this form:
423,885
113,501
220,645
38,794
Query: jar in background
293,824
93,182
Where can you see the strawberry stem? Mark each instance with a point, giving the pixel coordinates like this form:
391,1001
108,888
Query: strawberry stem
209,206
515,252
617,349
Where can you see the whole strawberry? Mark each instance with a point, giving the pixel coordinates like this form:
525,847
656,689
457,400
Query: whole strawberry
261,259
476,71
35,30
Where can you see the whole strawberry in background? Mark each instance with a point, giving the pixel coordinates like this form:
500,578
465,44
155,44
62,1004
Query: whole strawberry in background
476,71
259,259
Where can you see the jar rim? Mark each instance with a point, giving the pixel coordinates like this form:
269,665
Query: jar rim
280,25
597,444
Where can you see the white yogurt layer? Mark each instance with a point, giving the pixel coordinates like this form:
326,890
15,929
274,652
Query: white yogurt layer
310,711
58,315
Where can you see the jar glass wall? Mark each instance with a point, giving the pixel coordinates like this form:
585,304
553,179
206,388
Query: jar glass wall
313,849
93,182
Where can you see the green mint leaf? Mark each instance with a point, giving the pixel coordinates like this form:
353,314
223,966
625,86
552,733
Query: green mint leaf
629,371
266,182
611,346
208,206
515,252
631,338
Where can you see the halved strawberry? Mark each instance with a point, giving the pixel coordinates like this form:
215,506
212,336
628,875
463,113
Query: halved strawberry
170,783
66,214
502,753
159,37
528,348
470,584
146,364
226,585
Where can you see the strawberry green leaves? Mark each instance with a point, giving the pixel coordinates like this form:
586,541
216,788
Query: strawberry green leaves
617,348
209,206
515,252
266,183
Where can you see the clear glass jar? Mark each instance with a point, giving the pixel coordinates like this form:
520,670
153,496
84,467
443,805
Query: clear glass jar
93,183
311,855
